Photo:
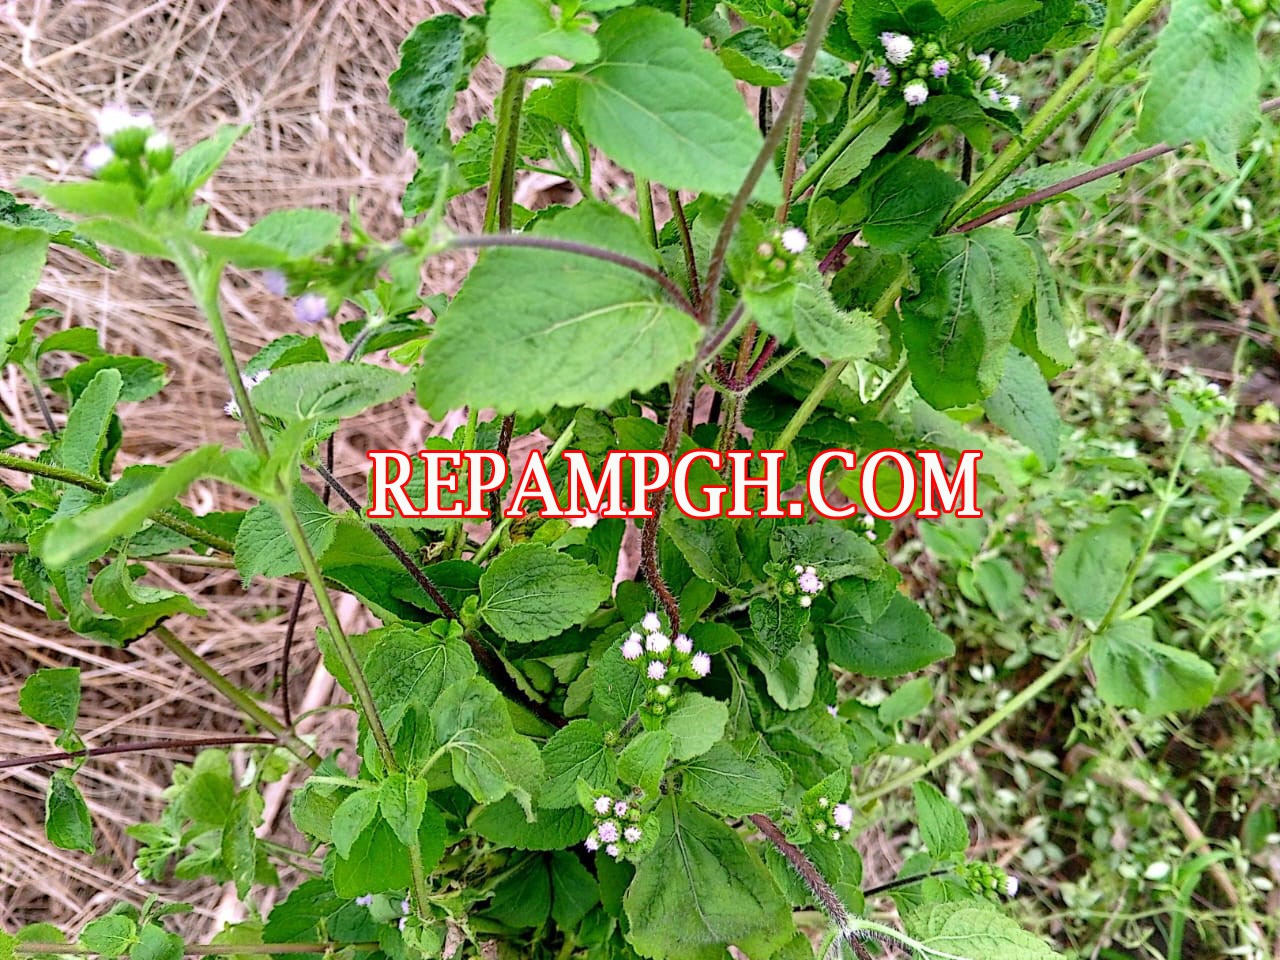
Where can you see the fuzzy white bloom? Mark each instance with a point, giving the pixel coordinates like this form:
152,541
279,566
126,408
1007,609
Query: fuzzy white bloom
620,808
1010,886
651,623
940,67
833,711
798,569
1011,101
158,142
701,664
250,380
1001,80
897,47
604,805
871,535
114,119
983,60
657,643
806,600
364,900
608,831
823,802
882,75
404,906
592,843
808,582
794,240
684,644
834,835
657,670
275,282
613,851
97,157
842,814
632,834
869,522
915,93
400,923
633,648
310,308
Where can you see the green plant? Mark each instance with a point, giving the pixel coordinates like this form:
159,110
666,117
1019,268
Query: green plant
665,768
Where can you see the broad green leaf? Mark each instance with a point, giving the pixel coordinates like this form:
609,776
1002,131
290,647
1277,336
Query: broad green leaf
52,696
196,165
695,724
157,943
700,890
403,802
521,31
1135,670
277,238
66,816
710,547
504,823
522,898
309,391
958,327
732,785
535,329
84,438
753,58
140,377
826,331
407,667
22,254
110,936
791,677
906,204
573,890
834,551
137,606
60,230
240,840
977,930
777,623
1204,85
532,592
263,545
94,198
942,826
379,863
88,534
666,109
906,702
576,752
432,64
296,918
644,760
1042,328
902,640
862,149
1023,408
867,19
352,818
1091,568
1029,34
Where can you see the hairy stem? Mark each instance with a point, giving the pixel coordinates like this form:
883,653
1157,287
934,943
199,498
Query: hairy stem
686,244
142,746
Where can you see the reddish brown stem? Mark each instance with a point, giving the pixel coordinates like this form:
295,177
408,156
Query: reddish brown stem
143,746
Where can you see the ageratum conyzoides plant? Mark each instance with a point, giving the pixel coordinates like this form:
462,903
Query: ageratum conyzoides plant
831,243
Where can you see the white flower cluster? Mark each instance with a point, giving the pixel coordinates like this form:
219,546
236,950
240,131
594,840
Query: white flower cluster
615,827
664,659
807,584
128,136
250,380
921,67
832,820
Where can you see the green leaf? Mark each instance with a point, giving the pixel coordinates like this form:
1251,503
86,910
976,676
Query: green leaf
110,936
277,238
902,640
504,823
576,752
88,199
1204,85
532,592
52,696
644,761
906,702
60,230
82,442
825,331
1023,408
958,327
194,166
521,31
1023,38
976,930
156,943
753,58
732,785
1134,670
403,802
379,863
695,725
432,65
352,818
310,391
1042,328
141,377
834,551
710,547
617,689
263,545
906,205
535,329
700,889
942,826
240,841
22,254
296,918
862,149
1091,568
573,890
790,678
66,816
666,109
405,668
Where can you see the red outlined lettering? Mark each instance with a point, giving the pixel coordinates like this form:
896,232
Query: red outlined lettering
817,495
534,484
380,485
770,483
868,484
964,487
715,493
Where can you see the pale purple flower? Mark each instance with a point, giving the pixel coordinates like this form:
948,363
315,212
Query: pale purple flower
608,831
940,67
632,834
275,282
97,157
994,97
604,805
897,47
592,843
915,93
842,814
701,664
882,75
794,240
808,582
657,669
633,648
651,623
684,644
310,308
620,808
833,711
364,900
404,906
613,851
657,643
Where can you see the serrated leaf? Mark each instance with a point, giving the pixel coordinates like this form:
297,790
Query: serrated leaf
644,760
22,255
942,826
532,592
311,391
352,818
1091,568
576,752
263,545
534,329
406,667
695,724
1135,670
156,943
403,802
52,696
725,782
522,31
110,936
197,164
66,816
906,205
665,108
902,640
834,551
710,547
976,930
504,823
1023,408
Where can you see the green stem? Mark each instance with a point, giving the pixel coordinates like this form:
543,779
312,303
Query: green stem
246,703
197,949
176,559
855,126
644,204
1050,115
512,90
